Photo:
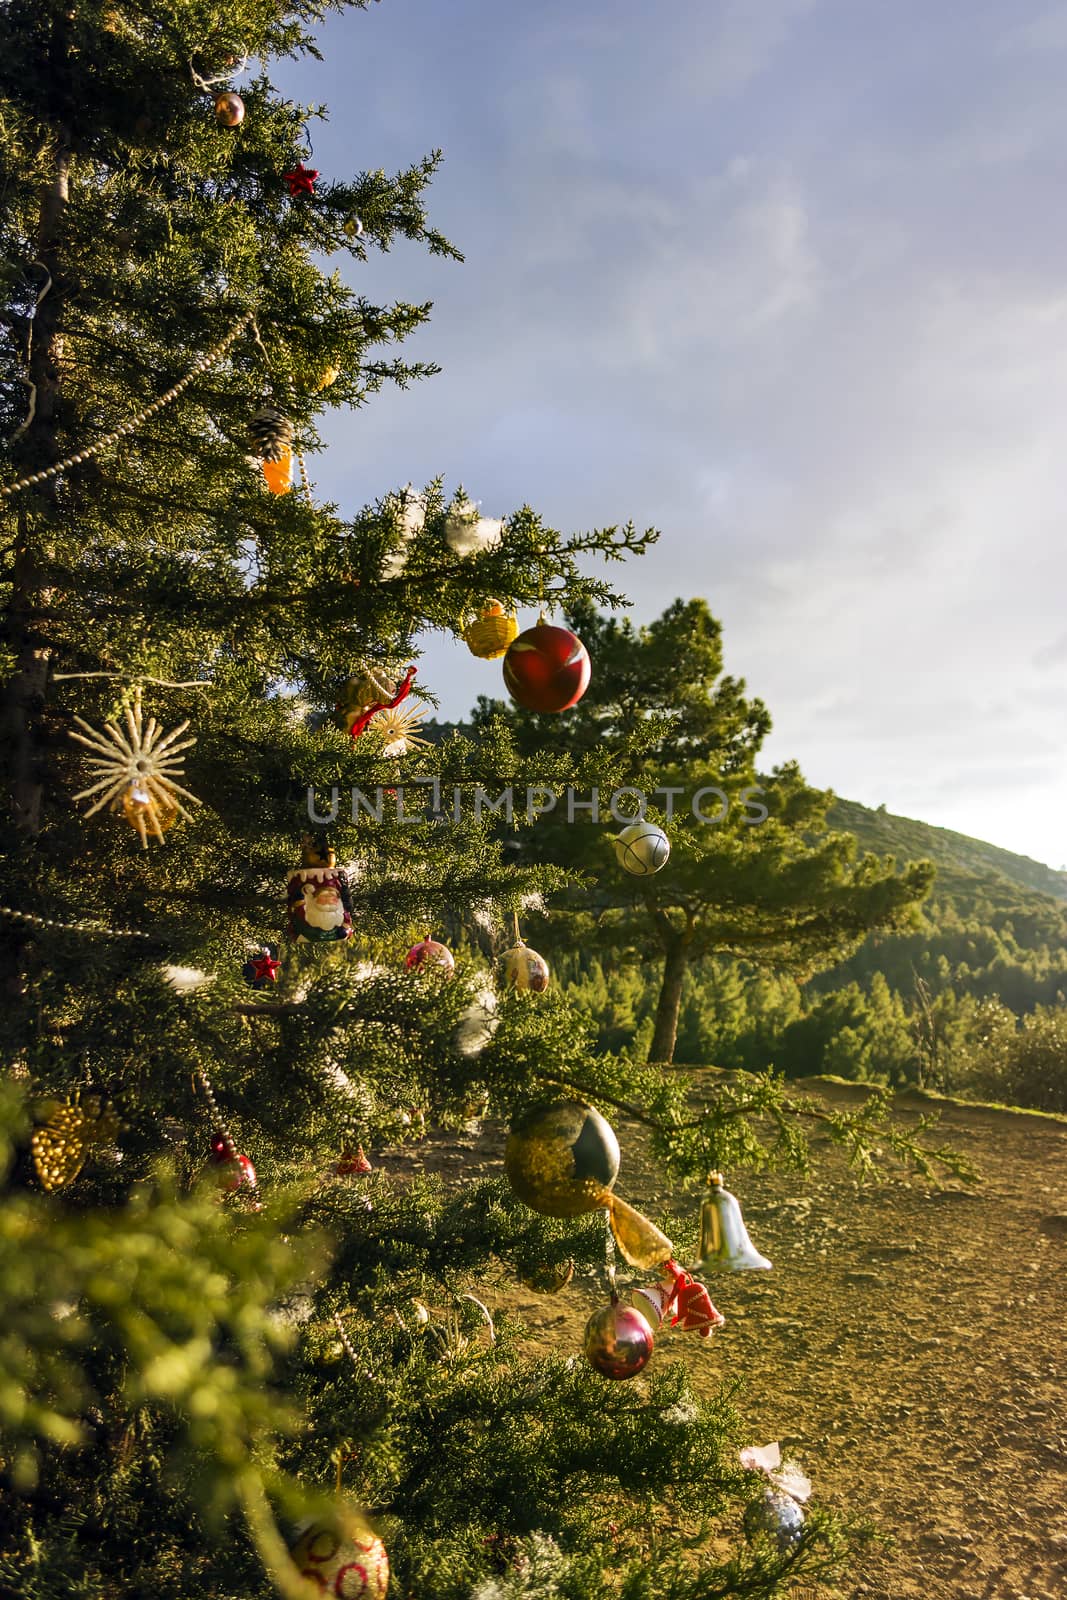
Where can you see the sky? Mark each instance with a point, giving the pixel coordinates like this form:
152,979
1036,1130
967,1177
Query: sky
787,280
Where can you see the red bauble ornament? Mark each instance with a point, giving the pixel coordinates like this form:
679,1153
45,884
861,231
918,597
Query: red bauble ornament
618,1340
547,668
430,956
234,1170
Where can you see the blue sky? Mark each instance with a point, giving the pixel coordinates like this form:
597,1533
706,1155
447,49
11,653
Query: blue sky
786,279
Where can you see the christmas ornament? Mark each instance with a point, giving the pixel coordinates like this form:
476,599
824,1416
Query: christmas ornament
688,1303
724,1240
229,110
407,512
397,725
363,697
489,635
233,1170
62,1144
776,1515
546,668
617,1341
343,1556
428,955
523,968
327,378
262,970
137,770
319,901
271,432
467,533
651,1300
353,1163
301,180
563,1161
353,227
278,475
642,849
546,1277
778,1511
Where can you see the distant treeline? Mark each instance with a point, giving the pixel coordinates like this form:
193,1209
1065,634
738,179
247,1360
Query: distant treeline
971,1001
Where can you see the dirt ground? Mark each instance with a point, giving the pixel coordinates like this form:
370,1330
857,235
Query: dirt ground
908,1348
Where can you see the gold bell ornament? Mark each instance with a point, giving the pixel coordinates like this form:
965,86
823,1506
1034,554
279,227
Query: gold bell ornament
491,632
724,1240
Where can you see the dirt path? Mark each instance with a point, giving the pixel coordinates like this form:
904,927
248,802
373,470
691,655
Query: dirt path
908,1348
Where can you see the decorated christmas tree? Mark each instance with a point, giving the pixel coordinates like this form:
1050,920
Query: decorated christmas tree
250,933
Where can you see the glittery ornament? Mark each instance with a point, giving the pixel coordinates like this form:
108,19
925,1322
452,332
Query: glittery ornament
642,849
618,1341
777,1516
137,769
61,1146
343,1556
563,1161
430,956
546,668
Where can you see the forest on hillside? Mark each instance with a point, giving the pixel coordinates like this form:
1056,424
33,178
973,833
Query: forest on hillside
970,1000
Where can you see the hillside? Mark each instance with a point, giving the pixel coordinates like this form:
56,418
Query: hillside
954,853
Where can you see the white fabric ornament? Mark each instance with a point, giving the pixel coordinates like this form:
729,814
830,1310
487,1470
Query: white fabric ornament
409,514
185,980
477,1024
467,533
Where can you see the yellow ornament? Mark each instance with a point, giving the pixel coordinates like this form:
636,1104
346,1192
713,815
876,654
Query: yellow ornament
491,632
343,1556
397,725
329,376
137,771
563,1161
61,1146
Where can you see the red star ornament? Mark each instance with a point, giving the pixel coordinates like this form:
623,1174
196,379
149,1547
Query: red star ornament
301,180
264,967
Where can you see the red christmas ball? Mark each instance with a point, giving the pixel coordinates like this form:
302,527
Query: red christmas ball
546,668
430,956
234,1171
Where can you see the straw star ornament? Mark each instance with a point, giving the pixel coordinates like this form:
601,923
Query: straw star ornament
136,769
397,726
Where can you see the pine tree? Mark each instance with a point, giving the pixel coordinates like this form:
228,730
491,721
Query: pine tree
754,872
184,1371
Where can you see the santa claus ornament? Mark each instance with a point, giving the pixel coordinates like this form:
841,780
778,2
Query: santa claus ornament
546,668
320,905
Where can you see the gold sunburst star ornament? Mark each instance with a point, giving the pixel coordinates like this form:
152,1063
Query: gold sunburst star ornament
136,769
397,725
61,1146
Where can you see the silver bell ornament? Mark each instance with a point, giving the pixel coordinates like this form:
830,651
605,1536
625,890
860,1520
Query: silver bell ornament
724,1240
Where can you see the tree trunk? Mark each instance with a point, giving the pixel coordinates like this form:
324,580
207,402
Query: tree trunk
665,1033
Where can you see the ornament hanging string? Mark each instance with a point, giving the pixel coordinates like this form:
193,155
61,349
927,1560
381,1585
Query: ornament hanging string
27,380
86,925
210,359
207,84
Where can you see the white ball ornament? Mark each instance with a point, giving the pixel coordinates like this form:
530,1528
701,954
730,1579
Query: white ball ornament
642,848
